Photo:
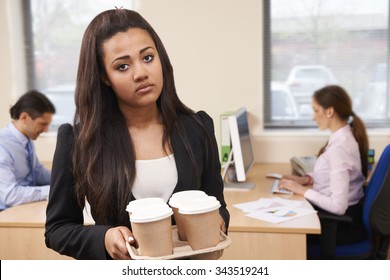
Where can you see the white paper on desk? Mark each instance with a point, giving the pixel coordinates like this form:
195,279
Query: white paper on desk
266,203
268,214
254,205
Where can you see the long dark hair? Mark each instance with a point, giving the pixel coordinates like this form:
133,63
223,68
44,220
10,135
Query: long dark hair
336,97
104,157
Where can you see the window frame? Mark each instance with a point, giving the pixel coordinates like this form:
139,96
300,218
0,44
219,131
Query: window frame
269,124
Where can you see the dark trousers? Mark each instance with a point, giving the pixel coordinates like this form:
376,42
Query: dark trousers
335,233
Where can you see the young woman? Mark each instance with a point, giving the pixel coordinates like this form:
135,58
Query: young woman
132,138
341,168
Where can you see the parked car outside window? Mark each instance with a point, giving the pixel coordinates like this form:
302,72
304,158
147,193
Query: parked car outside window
304,80
62,96
283,105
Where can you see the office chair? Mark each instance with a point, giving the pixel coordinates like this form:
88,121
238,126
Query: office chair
376,218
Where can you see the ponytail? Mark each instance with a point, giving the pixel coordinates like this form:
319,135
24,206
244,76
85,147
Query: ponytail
336,97
322,150
360,134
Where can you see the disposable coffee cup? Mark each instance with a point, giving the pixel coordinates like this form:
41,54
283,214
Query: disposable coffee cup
201,222
144,204
182,198
152,230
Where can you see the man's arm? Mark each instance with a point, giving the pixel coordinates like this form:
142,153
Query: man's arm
11,193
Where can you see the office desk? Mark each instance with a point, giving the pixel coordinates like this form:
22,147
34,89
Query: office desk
22,227
255,239
22,231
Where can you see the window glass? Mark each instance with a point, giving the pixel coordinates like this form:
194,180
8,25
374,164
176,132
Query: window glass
313,43
53,32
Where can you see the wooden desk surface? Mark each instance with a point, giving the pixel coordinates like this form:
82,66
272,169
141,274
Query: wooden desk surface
241,223
31,215
34,214
23,226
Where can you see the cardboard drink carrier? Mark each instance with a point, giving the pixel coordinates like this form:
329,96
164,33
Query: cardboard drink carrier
199,236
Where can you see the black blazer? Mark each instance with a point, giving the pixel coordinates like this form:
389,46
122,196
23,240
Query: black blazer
65,232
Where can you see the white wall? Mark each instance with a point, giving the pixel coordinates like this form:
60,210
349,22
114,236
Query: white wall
215,47
12,77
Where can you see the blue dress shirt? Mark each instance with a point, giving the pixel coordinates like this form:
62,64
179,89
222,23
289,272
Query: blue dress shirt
16,177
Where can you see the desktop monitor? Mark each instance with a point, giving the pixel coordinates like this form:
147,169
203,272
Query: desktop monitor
241,153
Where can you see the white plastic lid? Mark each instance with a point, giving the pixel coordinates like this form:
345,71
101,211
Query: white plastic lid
185,196
144,203
152,214
200,205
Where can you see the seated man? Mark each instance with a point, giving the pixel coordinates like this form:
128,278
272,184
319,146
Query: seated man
23,178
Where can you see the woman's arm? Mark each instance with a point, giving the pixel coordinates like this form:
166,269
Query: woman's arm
335,200
65,229
305,180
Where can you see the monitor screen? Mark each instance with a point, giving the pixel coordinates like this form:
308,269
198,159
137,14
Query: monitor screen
241,143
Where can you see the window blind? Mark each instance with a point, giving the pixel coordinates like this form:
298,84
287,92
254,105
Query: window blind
312,43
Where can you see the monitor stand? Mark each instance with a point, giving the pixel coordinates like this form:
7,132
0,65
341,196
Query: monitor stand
238,185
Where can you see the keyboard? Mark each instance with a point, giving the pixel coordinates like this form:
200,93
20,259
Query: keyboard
275,188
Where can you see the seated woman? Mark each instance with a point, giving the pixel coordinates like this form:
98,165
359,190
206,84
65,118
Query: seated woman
339,172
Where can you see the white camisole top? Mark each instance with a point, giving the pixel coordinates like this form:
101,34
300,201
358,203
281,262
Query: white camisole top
155,178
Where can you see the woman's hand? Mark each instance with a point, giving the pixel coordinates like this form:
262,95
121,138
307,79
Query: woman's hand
115,242
293,186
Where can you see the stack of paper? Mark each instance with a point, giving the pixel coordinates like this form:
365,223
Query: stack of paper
274,210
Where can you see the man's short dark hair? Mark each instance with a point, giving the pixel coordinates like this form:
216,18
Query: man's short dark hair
34,103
